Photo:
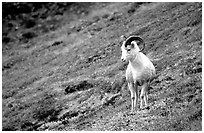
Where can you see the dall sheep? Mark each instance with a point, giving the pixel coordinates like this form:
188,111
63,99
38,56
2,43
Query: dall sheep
140,70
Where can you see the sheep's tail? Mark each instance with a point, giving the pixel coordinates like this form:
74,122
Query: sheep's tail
154,77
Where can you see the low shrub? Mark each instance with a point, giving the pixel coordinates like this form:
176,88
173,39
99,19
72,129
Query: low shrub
46,109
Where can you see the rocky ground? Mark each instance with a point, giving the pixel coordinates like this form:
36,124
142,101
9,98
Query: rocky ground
61,67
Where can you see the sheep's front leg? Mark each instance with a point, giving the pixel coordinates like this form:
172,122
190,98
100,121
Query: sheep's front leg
131,88
134,96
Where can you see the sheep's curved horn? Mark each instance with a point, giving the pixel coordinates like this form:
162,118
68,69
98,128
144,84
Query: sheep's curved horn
135,38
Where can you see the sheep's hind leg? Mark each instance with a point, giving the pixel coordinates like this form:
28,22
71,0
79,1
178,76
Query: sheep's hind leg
144,97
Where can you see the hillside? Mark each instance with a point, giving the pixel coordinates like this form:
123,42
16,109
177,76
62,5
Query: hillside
61,67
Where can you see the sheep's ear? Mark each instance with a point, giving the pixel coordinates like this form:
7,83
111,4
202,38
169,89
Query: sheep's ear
123,38
132,45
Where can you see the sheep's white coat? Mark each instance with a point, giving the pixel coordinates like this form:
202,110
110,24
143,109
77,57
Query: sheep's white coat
140,71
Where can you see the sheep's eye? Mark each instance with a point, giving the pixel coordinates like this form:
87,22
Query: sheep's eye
128,50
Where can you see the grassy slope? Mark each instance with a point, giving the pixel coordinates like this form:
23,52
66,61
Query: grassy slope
71,78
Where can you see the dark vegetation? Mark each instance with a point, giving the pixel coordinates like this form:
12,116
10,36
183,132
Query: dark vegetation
61,67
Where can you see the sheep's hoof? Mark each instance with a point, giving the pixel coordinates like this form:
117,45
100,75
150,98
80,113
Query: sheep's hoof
146,107
133,112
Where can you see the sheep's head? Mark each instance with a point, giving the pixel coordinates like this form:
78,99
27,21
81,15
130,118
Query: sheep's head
130,47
